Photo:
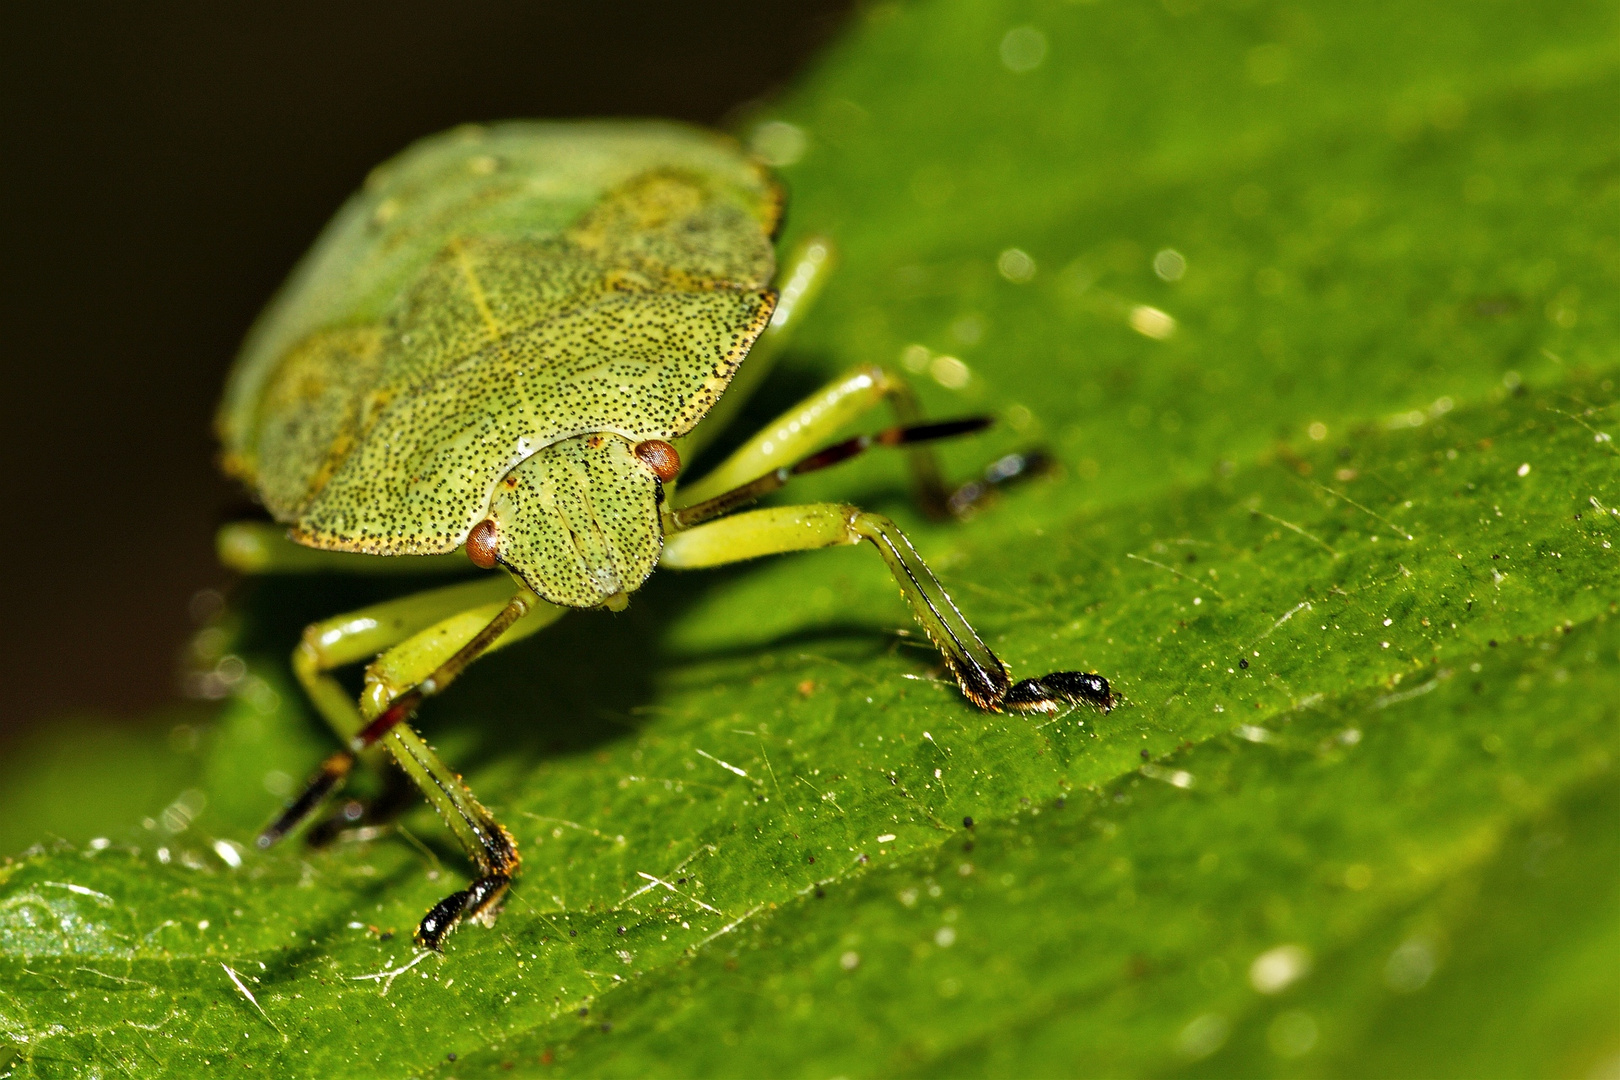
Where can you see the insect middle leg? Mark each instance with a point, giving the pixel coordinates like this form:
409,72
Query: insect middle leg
811,423
982,676
799,282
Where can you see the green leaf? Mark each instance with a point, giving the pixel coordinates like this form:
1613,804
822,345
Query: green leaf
1336,517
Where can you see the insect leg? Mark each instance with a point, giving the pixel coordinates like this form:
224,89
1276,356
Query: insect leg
396,684
798,432
262,547
980,674
798,282
900,435
356,636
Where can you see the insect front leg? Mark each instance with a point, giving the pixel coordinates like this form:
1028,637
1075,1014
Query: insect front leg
427,641
982,676
351,638
397,682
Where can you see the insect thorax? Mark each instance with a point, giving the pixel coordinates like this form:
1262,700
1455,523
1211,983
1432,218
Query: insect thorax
578,521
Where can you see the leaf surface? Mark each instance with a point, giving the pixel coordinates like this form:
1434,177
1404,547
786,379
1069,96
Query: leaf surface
1315,305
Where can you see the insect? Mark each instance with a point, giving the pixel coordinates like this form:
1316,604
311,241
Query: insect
502,350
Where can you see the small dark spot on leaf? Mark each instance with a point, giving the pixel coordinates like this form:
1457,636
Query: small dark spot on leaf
1493,643
573,933
967,823
584,1010
1243,663
821,894
1144,753
621,931
680,881
606,1027
1060,802
451,1056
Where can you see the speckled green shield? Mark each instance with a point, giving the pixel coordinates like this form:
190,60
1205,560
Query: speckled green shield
492,292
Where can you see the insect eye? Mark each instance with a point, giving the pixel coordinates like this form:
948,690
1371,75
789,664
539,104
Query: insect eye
482,544
660,457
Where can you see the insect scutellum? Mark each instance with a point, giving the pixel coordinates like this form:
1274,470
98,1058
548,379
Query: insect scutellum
500,352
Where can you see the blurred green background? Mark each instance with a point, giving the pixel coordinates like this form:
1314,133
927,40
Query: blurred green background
1315,307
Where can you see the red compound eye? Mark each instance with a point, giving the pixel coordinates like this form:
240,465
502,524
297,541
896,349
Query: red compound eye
660,457
482,543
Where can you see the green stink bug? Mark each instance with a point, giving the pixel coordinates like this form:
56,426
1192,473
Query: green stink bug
500,350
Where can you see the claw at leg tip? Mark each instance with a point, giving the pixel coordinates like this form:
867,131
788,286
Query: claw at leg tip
1050,693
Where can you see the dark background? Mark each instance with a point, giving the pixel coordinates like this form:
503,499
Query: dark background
161,167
